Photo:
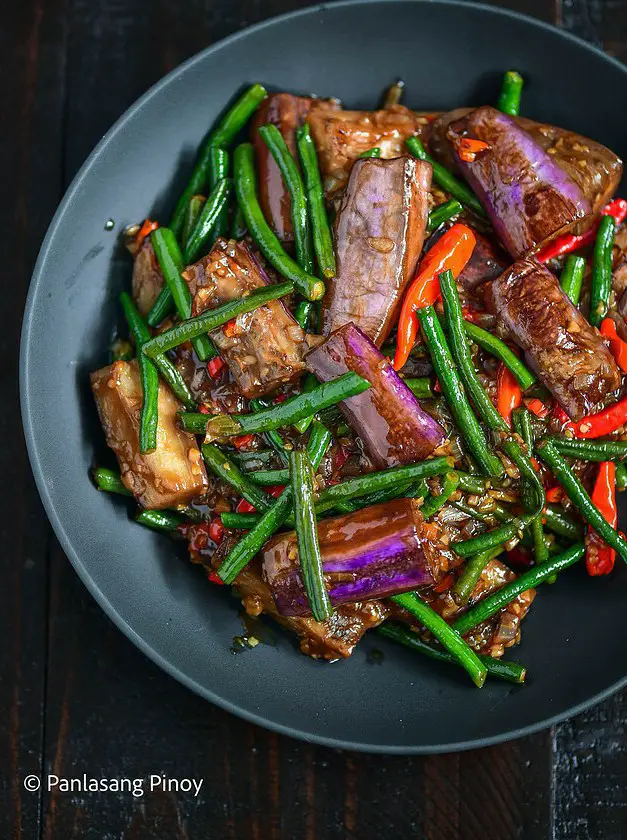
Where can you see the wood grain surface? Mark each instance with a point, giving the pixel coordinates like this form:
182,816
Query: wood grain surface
76,696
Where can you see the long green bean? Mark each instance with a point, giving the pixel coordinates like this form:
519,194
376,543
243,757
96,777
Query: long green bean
444,179
466,582
420,386
561,524
434,503
272,437
256,459
192,328
212,214
510,671
160,520
279,150
511,91
238,224
601,283
591,450
223,135
454,391
502,352
448,638
502,534
443,213
110,481
578,495
375,152
394,94
303,312
224,468
161,308
246,189
522,423
239,521
323,243
191,217
528,580
149,417
174,378
319,437
571,278
170,260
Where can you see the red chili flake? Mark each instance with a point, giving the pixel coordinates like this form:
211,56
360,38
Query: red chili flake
342,454
554,494
445,584
213,577
276,491
229,328
216,530
242,441
537,407
215,366
203,409
437,387
245,507
280,399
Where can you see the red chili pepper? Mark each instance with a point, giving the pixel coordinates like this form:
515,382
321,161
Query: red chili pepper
618,347
445,584
214,366
276,491
245,507
242,441
554,494
599,556
202,408
508,393
602,423
537,407
229,328
342,454
560,415
216,530
519,557
452,251
213,577
199,535
569,242
145,230
468,148
280,399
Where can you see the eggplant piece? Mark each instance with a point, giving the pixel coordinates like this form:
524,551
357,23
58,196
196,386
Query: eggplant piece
263,348
593,167
379,233
174,473
488,261
373,553
387,417
288,113
567,354
341,136
528,197
147,278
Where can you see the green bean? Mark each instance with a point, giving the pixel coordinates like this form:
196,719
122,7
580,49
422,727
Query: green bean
522,423
319,438
219,162
224,468
454,392
257,459
288,167
510,671
263,527
472,483
325,394
309,556
571,278
375,152
310,384
272,437
621,476
502,534
191,217
173,377
351,505
509,100
238,224
394,94
528,580
149,418
160,520
420,387
246,189
192,328
303,312
578,495
601,283
223,135
240,521
203,235
448,638
444,179
323,243
561,524
443,213
466,582
435,502
170,260
591,450
110,481
502,352
161,308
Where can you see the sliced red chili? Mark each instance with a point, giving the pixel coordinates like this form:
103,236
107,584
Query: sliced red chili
215,366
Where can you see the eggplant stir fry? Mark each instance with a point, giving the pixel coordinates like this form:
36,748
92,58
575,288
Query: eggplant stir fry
374,372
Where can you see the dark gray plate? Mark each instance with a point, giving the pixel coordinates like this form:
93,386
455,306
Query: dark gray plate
449,54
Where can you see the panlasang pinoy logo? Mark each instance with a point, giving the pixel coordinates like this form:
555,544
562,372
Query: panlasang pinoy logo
137,787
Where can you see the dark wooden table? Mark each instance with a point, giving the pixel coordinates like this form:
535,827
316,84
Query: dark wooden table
75,695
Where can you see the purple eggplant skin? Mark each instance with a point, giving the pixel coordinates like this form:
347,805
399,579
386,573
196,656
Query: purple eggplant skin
379,233
567,353
593,167
528,197
373,553
388,418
